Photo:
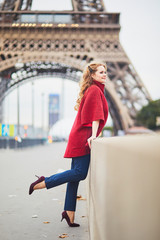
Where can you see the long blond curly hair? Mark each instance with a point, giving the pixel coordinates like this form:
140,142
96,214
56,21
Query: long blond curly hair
87,81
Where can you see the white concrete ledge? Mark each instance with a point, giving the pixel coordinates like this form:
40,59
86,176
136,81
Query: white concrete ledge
124,188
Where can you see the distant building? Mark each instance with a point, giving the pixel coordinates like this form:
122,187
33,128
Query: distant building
54,109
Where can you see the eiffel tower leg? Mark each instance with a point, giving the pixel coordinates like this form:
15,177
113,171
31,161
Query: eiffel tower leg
128,85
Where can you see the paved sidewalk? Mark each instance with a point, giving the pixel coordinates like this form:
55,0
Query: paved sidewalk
36,217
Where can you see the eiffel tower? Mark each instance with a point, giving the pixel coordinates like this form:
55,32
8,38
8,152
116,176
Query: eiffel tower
61,43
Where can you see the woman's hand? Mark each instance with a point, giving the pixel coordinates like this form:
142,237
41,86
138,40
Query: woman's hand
89,140
95,125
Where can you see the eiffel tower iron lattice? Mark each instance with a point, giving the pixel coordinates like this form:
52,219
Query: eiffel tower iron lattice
61,43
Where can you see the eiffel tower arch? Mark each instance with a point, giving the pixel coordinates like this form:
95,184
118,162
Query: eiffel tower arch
61,43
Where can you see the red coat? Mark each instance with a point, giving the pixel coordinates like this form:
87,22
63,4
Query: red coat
93,107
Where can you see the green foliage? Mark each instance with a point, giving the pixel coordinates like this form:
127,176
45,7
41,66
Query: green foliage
108,128
147,115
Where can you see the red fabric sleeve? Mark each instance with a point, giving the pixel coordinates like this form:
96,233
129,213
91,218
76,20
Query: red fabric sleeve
92,109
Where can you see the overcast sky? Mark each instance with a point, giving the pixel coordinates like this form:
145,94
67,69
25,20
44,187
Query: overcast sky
139,36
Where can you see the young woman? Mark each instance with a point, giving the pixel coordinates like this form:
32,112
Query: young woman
92,115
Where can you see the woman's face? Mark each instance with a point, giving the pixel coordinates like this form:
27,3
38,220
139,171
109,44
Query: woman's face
100,75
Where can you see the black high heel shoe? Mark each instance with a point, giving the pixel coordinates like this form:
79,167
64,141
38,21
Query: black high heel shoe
40,179
65,215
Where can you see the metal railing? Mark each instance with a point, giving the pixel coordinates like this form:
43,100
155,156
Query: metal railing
34,18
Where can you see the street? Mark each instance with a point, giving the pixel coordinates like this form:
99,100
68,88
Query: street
36,216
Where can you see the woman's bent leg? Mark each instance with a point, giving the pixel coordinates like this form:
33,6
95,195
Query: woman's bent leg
79,172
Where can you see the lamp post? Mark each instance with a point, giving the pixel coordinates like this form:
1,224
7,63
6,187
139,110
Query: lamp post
33,133
42,95
62,100
18,121
18,65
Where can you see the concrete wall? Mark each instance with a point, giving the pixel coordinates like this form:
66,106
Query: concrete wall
124,188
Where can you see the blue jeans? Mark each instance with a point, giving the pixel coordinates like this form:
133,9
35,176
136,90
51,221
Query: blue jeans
78,172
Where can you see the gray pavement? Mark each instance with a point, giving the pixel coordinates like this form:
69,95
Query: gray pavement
23,217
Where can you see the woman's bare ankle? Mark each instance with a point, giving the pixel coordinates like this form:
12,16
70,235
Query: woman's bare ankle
40,185
71,215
